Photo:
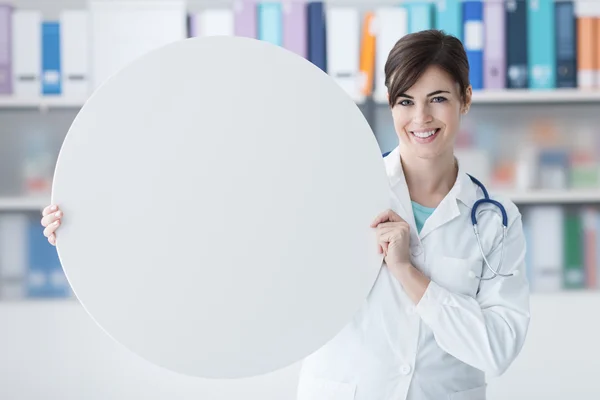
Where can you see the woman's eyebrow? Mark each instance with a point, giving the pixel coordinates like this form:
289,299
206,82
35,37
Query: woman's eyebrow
430,94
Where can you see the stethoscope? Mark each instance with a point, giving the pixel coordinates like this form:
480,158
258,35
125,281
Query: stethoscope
479,202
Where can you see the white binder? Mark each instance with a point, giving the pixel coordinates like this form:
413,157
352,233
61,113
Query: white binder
13,255
74,42
27,52
122,31
391,23
343,47
546,224
214,22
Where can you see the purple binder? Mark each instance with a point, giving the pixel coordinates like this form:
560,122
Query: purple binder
494,54
5,49
245,18
294,26
191,25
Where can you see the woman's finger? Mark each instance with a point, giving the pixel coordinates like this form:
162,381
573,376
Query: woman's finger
388,215
49,230
382,217
50,218
52,239
384,247
49,209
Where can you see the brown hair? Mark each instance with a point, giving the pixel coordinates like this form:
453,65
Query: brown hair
415,52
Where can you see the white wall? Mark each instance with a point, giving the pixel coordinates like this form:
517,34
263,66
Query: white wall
561,358
54,350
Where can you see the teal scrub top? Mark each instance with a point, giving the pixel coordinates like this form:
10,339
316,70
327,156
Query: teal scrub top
421,214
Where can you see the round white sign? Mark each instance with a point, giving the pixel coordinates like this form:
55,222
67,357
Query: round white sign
218,194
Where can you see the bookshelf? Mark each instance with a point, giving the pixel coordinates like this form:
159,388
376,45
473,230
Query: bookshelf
23,203
524,96
41,102
520,197
516,96
511,96
570,196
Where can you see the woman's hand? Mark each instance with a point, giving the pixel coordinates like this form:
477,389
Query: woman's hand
51,216
393,238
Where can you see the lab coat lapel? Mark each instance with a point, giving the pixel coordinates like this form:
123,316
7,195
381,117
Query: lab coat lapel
464,190
399,188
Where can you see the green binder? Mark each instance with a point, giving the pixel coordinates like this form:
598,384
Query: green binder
573,269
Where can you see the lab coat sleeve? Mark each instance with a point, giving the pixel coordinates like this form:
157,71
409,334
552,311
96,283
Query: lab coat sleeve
488,331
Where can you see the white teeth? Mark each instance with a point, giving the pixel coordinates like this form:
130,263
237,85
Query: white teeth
424,135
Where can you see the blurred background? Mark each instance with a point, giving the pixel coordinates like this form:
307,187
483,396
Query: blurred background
532,134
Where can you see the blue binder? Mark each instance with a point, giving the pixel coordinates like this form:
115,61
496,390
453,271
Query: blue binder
270,27
516,45
473,40
317,34
448,17
566,44
541,51
420,16
51,71
45,278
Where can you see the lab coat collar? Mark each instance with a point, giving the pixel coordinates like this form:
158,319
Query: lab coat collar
464,190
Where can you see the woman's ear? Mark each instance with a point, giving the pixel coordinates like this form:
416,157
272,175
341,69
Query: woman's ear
467,102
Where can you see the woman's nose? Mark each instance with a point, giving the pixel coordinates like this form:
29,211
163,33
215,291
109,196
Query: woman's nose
422,114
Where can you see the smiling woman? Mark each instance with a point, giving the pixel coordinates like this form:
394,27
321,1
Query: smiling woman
431,328
428,89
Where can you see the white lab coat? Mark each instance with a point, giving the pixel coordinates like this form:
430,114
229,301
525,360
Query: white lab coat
462,328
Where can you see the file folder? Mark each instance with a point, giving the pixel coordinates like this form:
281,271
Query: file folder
343,58
75,53
212,22
448,17
51,71
26,52
5,49
295,27
473,40
270,23
245,18
494,53
516,45
391,24
317,35
540,27
566,44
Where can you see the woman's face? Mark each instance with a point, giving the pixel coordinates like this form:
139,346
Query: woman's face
427,117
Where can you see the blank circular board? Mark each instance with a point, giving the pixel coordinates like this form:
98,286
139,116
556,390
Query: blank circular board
218,194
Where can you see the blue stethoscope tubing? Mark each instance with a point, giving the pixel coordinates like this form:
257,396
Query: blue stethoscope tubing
486,199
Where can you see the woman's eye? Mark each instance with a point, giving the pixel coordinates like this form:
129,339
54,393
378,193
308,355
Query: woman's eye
439,99
404,102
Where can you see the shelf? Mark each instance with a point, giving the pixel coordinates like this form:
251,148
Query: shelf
25,203
572,196
536,96
509,96
568,196
515,96
41,102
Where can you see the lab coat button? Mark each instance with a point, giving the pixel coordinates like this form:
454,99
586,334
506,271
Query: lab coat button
416,250
405,369
410,310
